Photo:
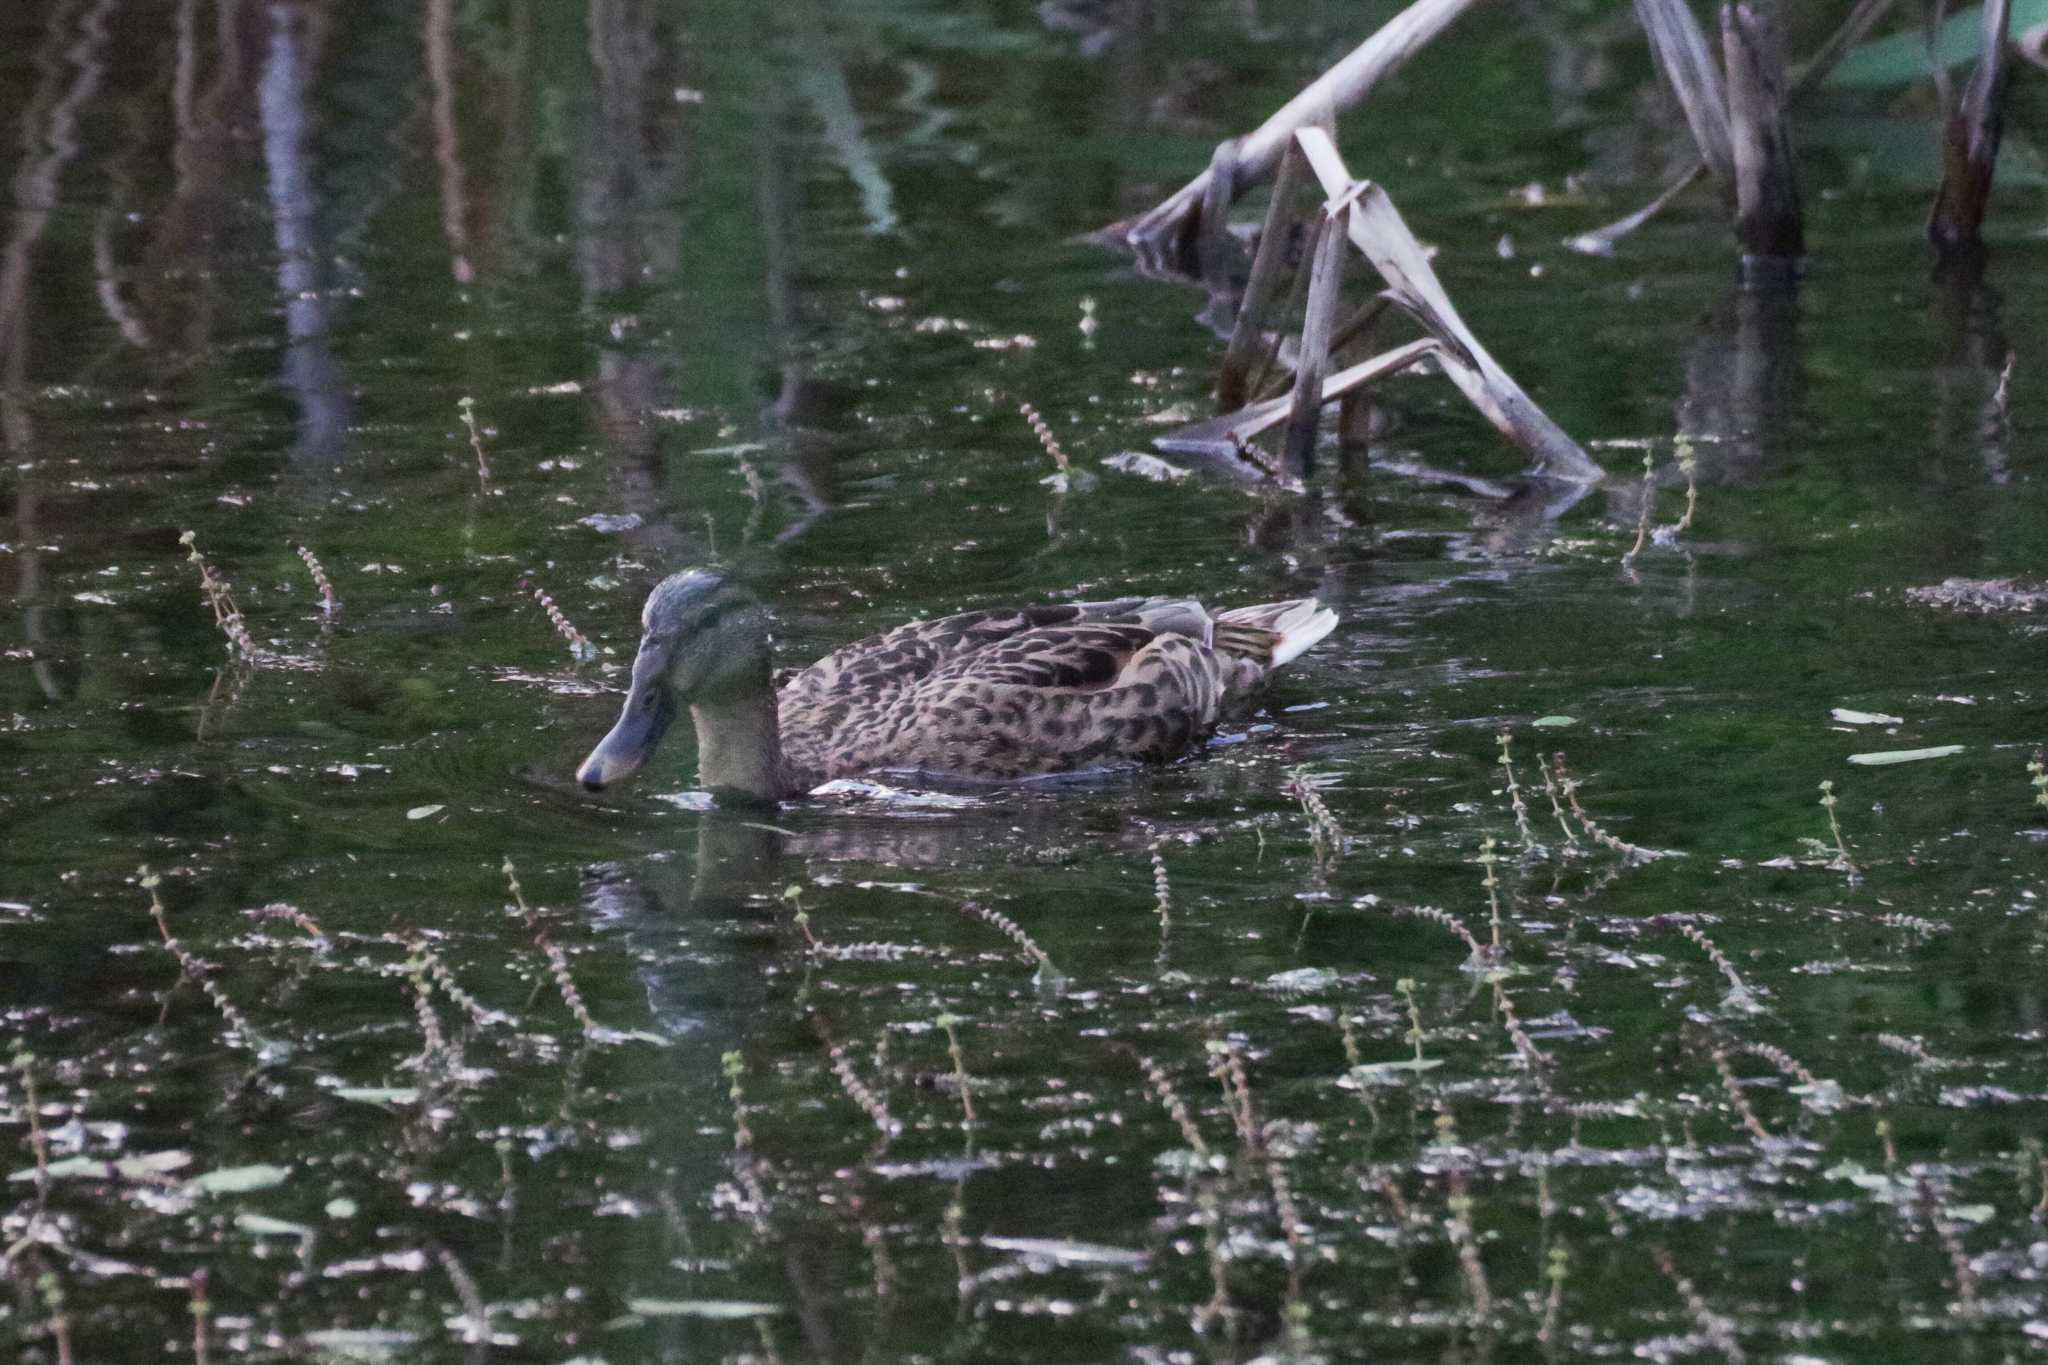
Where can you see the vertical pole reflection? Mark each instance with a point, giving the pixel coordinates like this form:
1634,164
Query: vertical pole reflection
310,372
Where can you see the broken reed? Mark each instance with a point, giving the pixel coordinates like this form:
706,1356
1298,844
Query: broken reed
1570,786
1010,930
557,960
328,601
1521,807
1827,802
1712,1325
1739,993
579,643
1325,835
1045,437
226,614
197,968
856,1089
467,407
950,1022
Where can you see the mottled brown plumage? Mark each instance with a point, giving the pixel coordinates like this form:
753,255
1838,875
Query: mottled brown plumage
990,694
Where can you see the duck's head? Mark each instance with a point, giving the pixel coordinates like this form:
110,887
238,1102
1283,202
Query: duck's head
703,641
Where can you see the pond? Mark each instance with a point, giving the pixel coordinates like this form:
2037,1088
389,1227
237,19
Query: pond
1538,973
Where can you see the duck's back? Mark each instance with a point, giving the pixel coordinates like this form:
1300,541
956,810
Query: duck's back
1043,689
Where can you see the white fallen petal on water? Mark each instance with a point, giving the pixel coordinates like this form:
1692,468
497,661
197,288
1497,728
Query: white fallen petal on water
1848,717
1884,756
726,1310
422,812
1066,1253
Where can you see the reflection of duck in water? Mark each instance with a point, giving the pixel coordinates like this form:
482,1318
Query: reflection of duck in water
989,694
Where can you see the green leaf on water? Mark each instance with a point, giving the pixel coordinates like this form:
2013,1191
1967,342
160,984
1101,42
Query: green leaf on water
1554,722
1385,1070
1849,717
238,1179
128,1167
720,1310
1886,756
1902,57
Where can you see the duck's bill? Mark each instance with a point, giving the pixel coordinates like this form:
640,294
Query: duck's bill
645,719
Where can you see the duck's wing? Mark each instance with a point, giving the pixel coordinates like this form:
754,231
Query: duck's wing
1047,700
869,672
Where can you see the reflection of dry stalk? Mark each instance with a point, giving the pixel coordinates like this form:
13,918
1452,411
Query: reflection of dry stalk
1711,1324
1929,1207
196,967
856,1089
950,1022
1827,801
202,1313
328,601
226,614
1570,786
579,644
1444,919
1045,437
476,1326
1258,459
2038,775
1010,930
1560,1265
1739,992
742,1135
1912,922
1910,1047
1649,496
1161,1086
1458,1204
1507,766
1688,465
1488,859
1794,1068
1732,1087
558,961
467,406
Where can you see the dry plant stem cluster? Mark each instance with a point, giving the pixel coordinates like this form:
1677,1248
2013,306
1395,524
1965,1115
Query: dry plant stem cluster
856,1089
197,968
1514,789
1045,437
467,407
328,601
226,614
1010,930
557,960
1569,785
580,647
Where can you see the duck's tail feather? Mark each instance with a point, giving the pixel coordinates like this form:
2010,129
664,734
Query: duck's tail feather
1273,634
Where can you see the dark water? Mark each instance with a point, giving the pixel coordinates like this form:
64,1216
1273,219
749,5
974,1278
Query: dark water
764,286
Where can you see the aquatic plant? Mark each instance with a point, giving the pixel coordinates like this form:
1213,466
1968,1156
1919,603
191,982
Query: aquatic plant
580,647
328,601
226,614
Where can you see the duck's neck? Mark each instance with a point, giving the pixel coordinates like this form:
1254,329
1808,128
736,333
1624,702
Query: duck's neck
739,746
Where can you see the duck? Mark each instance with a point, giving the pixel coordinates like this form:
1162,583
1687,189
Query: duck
997,695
